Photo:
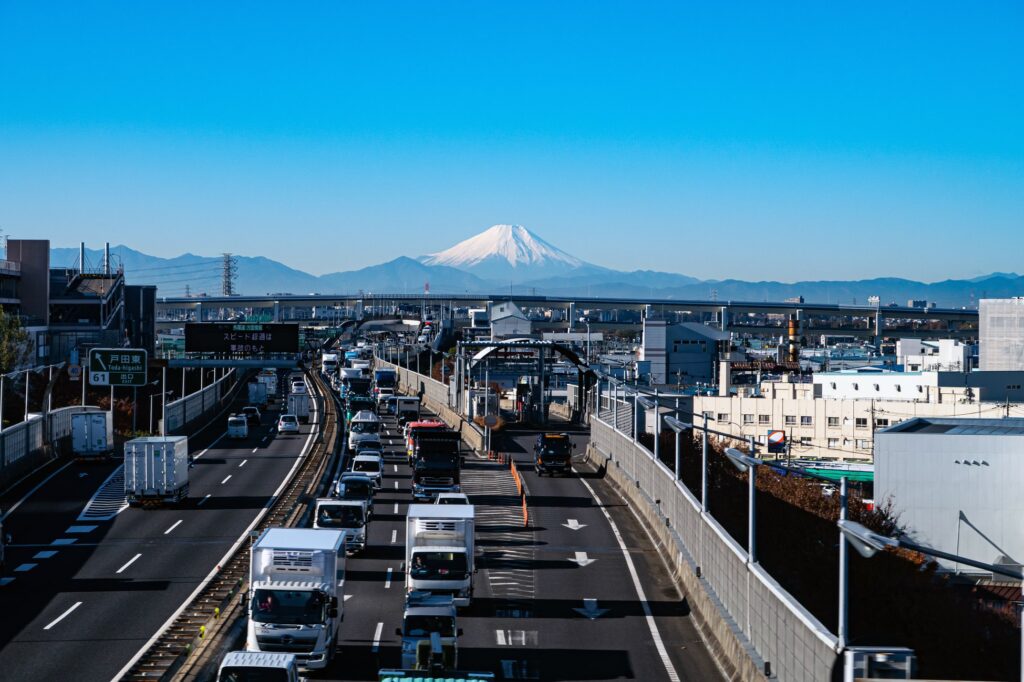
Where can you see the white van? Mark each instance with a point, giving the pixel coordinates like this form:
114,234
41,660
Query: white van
238,426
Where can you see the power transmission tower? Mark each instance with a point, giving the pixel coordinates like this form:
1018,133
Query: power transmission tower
188,291
228,275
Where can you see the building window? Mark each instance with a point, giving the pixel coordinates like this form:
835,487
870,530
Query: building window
833,443
748,419
789,420
805,441
722,417
833,421
806,421
863,444
764,419
861,423
881,422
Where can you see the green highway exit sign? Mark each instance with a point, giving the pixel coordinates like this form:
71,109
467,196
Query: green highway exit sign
118,366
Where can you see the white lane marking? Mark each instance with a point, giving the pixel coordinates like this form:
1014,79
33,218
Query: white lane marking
265,438
387,580
396,507
376,637
581,559
204,451
396,485
64,541
200,502
254,450
173,526
226,479
24,568
396,467
130,562
63,615
45,554
6,581
243,463
29,494
394,536
651,625
80,529
500,636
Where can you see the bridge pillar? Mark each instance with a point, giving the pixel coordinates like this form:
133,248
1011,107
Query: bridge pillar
572,316
723,318
199,312
878,329
277,311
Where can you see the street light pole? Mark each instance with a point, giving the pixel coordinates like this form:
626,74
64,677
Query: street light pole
751,509
704,466
843,570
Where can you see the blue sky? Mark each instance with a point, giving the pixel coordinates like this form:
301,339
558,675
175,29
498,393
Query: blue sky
750,140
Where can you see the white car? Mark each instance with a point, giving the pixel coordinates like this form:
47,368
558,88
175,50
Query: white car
370,465
451,498
288,423
238,427
298,387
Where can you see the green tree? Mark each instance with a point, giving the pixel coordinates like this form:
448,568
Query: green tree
15,347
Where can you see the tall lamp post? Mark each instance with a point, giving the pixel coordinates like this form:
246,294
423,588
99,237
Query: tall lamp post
653,404
747,463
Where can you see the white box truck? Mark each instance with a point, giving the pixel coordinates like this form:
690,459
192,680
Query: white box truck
156,469
350,516
439,546
269,379
247,666
298,404
92,434
297,593
258,394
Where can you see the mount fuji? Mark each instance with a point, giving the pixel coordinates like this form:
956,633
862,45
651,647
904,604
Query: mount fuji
511,253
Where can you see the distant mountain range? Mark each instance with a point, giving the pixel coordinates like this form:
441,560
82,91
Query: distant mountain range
511,258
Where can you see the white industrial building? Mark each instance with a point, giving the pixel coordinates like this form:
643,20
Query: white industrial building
507,321
1001,333
918,355
956,485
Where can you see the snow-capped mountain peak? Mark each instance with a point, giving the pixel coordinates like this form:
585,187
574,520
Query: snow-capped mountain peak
511,245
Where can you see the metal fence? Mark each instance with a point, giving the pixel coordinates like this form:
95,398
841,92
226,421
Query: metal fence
23,446
780,630
183,411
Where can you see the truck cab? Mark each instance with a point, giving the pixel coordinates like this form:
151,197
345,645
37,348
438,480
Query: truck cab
436,464
351,516
429,633
365,426
553,453
439,546
296,594
247,666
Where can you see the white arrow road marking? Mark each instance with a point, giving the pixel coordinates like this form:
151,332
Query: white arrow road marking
376,637
130,562
63,615
581,559
590,609
573,524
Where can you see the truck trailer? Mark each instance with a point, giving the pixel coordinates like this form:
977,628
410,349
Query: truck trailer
92,435
156,470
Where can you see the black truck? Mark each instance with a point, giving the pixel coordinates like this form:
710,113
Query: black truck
435,463
553,453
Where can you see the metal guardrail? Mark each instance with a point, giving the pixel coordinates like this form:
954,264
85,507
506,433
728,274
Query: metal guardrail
183,411
217,604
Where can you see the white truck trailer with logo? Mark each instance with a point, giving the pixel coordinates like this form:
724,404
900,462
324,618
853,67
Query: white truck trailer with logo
296,594
156,470
439,547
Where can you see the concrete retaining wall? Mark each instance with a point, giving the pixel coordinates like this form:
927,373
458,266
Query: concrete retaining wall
748,619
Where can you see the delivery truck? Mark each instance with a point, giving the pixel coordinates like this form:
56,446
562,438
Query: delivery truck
92,435
297,593
258,394
156,470
429,632
439,545
298,404
247,666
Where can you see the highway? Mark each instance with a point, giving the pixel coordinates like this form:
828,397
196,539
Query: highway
555,601
87,584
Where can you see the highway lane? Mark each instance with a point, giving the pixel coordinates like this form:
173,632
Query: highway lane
84,611
524,622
